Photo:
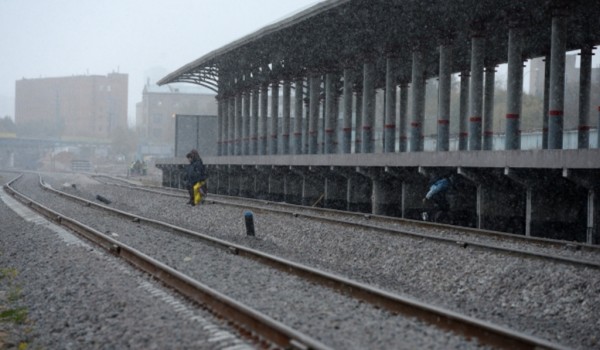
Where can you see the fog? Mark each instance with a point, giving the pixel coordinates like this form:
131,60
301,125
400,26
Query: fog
141,38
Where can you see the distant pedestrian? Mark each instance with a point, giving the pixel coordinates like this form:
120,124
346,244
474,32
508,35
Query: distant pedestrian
196,178
438,188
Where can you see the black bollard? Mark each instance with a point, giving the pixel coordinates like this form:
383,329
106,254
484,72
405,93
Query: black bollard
249,223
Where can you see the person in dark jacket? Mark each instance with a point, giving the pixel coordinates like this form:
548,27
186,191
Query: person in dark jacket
195,178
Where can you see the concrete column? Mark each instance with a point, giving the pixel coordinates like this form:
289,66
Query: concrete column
585,77
298,104
347,128
313,125
330,114
598,130
285,133
219,126
591,238
463,110
488,108
557,81
514,89
403,117
306,121
232,122
368,107
246,122
358,123
276,185
335,192
254,118
418,101
389,124
476,93
546,102
264,106
238,124
274,117
445,76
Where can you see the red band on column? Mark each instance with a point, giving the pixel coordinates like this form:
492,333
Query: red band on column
389,126
475,119
443,121
416,125
555,113
512,116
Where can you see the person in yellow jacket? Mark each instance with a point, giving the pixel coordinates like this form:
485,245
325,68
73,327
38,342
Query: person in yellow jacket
196,178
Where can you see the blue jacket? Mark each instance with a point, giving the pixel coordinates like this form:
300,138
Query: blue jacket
439,186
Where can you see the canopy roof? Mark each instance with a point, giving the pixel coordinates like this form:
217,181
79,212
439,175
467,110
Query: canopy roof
337,34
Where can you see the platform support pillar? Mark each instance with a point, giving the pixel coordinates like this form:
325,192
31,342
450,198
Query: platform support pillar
264,106
298,113
286,117
331,118
403,117
274,117
443,123
557,81
463,113
238,124
585,83
488,108
418,101
246,122
254,121
313,133
476,93
368,107
389,124
347,107
515,89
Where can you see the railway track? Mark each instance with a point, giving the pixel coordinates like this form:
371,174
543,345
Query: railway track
575,253
484,332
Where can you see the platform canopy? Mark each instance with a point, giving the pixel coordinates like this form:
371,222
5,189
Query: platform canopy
338,34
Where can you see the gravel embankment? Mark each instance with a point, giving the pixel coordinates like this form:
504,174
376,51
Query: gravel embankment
556,302
336,320
74,296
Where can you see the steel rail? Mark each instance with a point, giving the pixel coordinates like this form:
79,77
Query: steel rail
250,322
506,237
471,328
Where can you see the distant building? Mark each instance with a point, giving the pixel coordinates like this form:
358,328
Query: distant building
86,108
155,115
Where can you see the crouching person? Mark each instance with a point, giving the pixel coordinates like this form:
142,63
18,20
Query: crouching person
196,178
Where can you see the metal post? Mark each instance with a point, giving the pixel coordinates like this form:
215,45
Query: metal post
298,104
330,117
368,110
389,125
418,101
590,217
347,129
557,81
274,116
264,106
285,132
443,127
255,116
463,111
515,89
488,108
403,117
246,122
476,94
313,133
585,73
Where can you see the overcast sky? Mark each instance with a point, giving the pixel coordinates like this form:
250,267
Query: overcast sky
55,38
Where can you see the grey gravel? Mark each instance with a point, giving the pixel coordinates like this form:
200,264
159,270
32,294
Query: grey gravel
553,301
78,297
